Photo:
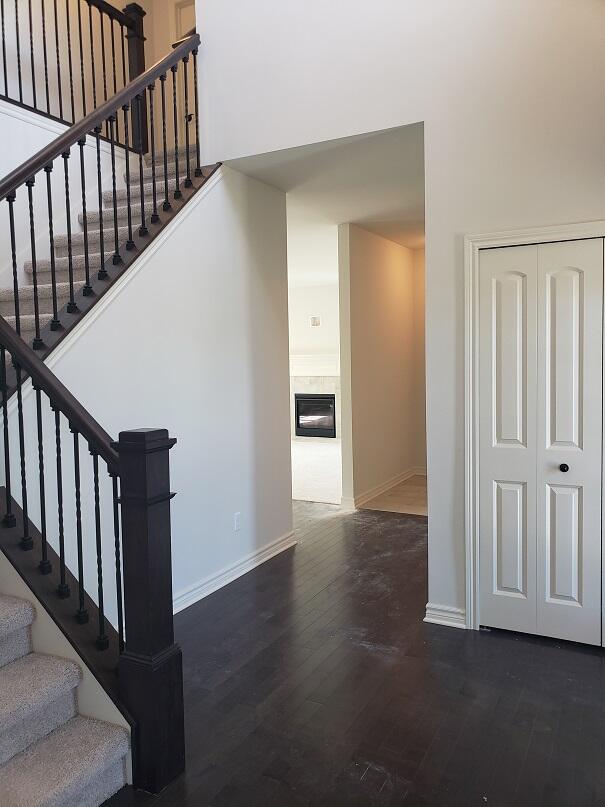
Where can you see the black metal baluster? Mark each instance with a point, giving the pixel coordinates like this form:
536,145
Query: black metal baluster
139,101
31,52
87,290
166,205
4,65
71,305
103,61
70,63
62,589
117,258
82,80
188,182
26,543
45,53
177,184
154,215
59,82
92,58
116,533
123,40
198,158
9,517
44,565
11,221
102,640
55,323
126,110
81,613
113,57
37,344
18,41
102,273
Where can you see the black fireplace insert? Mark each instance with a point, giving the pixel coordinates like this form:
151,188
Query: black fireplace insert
315,415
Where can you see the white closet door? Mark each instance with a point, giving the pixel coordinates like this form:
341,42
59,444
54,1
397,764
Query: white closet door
507,406
541,437
569,445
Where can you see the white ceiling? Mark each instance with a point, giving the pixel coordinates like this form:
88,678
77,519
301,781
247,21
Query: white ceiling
374,180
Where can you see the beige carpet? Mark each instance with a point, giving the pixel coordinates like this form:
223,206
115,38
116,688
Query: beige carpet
407,497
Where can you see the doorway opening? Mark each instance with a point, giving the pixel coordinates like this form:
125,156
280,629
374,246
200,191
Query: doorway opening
355,238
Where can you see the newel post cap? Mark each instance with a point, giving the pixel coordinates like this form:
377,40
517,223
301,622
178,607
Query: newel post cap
143,441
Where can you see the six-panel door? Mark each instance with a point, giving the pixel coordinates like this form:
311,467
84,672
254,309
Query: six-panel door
540,402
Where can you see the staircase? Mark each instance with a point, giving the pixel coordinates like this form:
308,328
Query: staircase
50,756
86,521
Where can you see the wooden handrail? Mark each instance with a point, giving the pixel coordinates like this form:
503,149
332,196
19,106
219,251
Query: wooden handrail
60,397
97,117
112,12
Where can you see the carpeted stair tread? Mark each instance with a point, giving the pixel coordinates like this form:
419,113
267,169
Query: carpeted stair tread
78,262
31,683
28,322
80,764
45,291
159,171
15,614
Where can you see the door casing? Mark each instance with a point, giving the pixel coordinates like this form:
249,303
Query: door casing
473,244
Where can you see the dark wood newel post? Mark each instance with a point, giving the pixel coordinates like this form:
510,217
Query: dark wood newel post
150,668
136,66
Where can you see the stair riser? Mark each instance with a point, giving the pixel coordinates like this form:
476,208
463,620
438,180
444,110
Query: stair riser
100,789
135,197
94,243
108,218
62,276
37,725
15,645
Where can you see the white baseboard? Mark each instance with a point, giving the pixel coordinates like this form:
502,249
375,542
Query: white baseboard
445,615
364,498
192,594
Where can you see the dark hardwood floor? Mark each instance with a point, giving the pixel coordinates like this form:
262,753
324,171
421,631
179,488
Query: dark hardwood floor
313,681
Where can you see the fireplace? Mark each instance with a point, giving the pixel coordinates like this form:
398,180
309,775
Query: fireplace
315,415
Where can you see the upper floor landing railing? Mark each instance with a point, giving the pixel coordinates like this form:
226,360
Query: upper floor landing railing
63,58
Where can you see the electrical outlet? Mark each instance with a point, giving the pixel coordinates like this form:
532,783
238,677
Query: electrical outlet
237,522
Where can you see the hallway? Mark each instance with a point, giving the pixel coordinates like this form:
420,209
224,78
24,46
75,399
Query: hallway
313,681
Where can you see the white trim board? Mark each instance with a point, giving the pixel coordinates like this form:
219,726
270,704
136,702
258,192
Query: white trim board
445,615
192,594
366,497
472,245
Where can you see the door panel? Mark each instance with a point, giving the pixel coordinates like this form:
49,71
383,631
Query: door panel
507,403
570,361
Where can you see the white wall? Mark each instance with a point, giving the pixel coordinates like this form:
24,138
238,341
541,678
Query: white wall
383,361
312,291
420,359
510,93
193,339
